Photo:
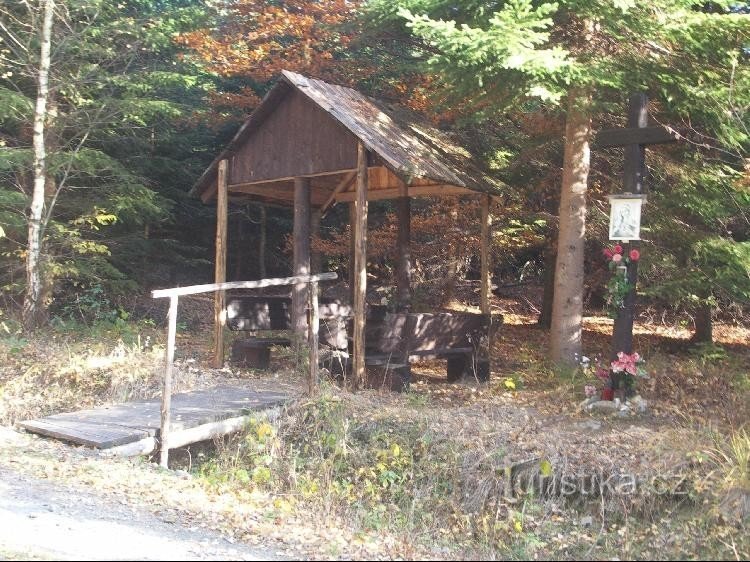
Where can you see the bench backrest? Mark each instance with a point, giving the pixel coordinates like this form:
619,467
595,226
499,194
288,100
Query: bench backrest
422,332
259,313
270,313
447,330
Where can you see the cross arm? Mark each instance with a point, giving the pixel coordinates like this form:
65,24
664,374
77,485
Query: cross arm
634,135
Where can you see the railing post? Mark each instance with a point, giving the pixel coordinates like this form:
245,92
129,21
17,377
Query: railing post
220,271
166,394
313,327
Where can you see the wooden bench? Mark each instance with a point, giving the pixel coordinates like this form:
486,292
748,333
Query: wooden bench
409,337
273,313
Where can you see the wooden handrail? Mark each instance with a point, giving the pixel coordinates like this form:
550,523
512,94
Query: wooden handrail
175,293
229,285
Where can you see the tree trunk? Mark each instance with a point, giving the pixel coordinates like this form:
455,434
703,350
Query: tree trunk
34,307
451,276
545,317
567,308
703,326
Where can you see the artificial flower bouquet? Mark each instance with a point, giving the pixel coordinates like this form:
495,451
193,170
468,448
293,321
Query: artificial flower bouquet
619,286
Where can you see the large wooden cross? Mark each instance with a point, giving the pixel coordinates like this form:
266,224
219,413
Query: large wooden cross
634,139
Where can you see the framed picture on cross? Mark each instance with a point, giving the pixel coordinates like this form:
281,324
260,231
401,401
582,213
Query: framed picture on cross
625,216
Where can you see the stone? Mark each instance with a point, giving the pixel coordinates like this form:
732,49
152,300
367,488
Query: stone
586,403
587,521
185,475
638,404
604,407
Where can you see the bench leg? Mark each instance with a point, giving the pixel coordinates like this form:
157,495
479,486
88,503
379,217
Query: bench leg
248,355
468,365
478,368
457,366
404,374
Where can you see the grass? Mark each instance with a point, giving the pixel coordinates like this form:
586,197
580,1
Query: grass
428,468
71,366
387,465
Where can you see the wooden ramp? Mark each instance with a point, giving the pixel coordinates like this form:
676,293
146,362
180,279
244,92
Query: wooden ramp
121,424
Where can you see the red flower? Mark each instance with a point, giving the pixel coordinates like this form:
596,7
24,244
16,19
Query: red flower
618,249
608,253
635,255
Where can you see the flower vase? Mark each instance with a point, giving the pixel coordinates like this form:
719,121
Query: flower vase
618,385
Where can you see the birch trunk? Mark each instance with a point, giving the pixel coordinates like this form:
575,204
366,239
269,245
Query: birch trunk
34,308
567,308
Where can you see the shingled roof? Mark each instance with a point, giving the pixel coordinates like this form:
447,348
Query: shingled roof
408,145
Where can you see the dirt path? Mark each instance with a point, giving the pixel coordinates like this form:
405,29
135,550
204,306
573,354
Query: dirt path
43,519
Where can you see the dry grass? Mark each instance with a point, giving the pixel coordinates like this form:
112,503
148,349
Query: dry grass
423,474
57,372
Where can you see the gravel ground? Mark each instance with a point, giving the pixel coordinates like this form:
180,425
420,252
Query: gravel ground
43,519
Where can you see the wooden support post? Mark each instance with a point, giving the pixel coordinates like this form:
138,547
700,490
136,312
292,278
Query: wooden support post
360,268
312,339
403,259
166,393
486,280
220,273
316,258
301,254
352,245
262,242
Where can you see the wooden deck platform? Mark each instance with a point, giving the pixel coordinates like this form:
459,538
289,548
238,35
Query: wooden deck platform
121,424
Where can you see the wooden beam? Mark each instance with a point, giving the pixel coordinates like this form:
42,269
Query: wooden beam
342,185
135,449
166,392
301,254
486,280
360,268
282,193
634,135
183,437
375,173
292,178
413,191
232,285
403,245
635,154
220,271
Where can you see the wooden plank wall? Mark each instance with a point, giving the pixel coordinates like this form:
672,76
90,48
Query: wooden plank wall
297,139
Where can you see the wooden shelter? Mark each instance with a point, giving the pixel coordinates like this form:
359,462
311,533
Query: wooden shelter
310,145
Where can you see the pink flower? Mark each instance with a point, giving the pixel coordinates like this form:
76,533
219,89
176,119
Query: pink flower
608,253
635,255
617,258
626,363
618,249
589,390
602,373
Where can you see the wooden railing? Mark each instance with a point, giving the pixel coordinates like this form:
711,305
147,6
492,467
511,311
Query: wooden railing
177,292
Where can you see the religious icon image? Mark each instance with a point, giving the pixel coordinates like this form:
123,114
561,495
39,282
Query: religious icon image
625,219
